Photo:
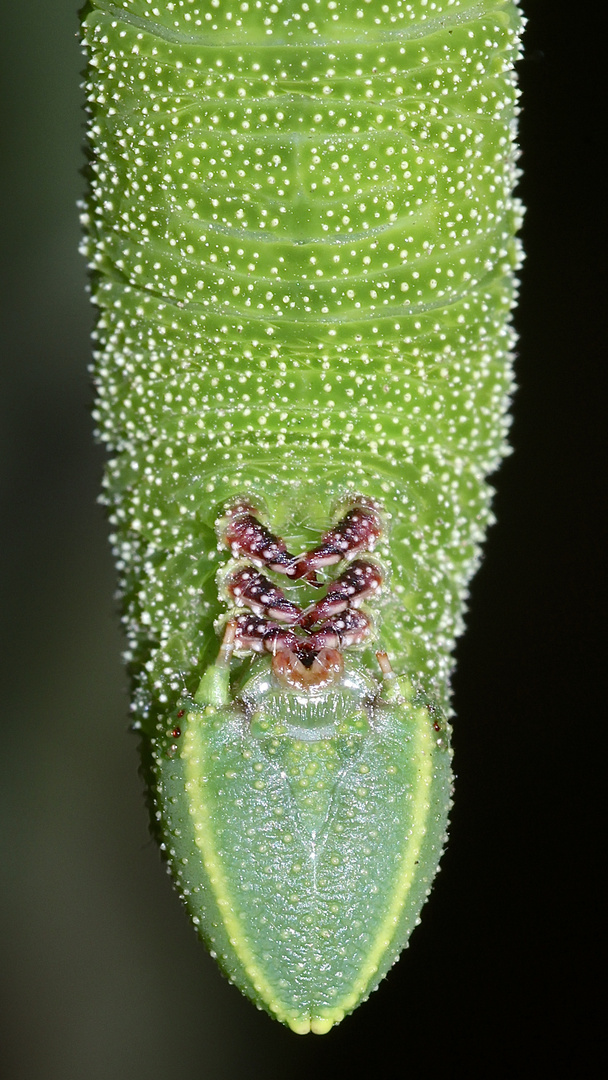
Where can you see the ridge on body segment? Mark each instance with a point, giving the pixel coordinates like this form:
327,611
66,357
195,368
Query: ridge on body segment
301,231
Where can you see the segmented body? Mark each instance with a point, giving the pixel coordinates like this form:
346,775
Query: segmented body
302,228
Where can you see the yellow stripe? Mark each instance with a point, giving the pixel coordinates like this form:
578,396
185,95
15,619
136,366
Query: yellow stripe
423,752
193,756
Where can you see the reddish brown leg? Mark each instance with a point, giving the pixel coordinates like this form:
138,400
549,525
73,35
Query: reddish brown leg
245,535
253,590
359,530
250,631
350,628
361,580
254,634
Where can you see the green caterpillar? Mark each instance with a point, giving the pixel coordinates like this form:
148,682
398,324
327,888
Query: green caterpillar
301,231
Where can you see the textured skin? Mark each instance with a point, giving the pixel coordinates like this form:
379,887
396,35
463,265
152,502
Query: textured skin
301,225
306,861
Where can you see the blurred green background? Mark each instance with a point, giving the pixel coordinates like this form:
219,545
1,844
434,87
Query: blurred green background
100,973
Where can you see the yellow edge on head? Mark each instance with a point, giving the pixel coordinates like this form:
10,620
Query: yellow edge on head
302,1025
192,757
422,752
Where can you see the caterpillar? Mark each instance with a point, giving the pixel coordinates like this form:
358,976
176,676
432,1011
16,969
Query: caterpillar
301,231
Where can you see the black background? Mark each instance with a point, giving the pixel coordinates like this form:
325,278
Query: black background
101,976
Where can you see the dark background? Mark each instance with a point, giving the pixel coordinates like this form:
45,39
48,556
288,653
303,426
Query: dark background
100,973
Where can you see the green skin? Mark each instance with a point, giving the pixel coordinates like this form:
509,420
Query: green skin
301,232
305,832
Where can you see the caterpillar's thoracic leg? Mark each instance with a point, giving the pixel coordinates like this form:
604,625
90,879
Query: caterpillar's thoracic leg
250,633
253,590
242,531
359,530
245,535
351,627
359,581
307,652
255,634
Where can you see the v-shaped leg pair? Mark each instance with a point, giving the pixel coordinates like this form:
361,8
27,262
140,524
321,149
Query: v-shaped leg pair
306,644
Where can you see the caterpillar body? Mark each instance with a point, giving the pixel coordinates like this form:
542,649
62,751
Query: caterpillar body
301,229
